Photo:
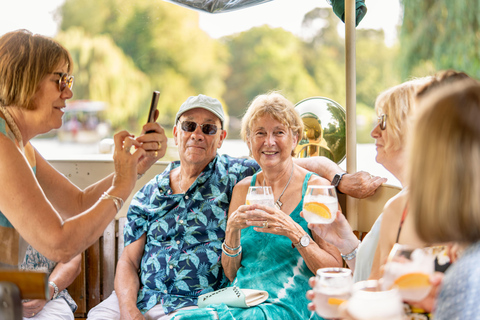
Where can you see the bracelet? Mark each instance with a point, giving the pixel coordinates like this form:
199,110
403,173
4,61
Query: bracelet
232,249
231,255
55,289
140,175
116,200
352,254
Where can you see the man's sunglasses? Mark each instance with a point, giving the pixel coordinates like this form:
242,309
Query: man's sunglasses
64,81
207,128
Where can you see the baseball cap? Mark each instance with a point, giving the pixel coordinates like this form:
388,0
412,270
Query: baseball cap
204,102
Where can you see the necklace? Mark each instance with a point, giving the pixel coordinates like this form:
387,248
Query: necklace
180,180
278,203
13,126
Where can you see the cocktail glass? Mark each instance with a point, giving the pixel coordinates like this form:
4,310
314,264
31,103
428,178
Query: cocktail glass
409,269
333,286
260,195
320,204
370,302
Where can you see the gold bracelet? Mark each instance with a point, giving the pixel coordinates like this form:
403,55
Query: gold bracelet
116,200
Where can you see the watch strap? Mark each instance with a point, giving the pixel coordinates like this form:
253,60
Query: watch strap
336,180
55,289
299,244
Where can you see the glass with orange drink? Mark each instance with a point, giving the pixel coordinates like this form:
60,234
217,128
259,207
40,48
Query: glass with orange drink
320,204
332,287
409,269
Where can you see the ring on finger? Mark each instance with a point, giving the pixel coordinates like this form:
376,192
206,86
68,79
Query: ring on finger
265,224
156,154
33,314
159,145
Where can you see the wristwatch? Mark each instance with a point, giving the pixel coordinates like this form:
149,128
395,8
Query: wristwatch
304,241
336,180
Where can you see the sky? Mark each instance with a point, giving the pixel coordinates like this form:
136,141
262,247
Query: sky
37,16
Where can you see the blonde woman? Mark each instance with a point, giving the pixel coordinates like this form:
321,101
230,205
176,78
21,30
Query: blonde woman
445,203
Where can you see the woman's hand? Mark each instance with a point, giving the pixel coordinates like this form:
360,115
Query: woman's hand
126,161
154,143
428,304
271,220
339,233
32,307
311,294
239,218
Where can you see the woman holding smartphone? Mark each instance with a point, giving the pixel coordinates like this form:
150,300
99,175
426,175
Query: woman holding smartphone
38,205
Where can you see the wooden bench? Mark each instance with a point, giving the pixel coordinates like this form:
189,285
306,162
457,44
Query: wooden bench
96,279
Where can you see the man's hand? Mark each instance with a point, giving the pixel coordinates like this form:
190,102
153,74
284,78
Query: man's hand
130,313
32,307
360,184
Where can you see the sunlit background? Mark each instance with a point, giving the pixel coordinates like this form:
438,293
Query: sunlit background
124,49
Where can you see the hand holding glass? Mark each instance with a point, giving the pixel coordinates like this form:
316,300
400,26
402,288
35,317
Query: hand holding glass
409,269
320,204
332,288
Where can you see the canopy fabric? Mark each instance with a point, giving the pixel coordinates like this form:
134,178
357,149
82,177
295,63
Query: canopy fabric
218,6
339,9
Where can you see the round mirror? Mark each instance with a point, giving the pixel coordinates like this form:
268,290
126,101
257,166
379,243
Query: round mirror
324,132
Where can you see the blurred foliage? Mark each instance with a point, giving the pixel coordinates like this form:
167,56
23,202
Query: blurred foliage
124,49
105,73
265,59
438,35
165,44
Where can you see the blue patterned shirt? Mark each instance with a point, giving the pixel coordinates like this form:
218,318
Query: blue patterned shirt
184,233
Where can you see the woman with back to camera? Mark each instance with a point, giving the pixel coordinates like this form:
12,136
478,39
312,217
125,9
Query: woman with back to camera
445,205
39,207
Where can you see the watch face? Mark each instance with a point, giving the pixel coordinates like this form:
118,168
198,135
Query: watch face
305,241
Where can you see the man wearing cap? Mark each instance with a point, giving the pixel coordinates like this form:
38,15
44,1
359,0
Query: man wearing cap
176,222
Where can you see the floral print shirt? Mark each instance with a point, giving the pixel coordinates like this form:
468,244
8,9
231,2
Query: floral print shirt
181,259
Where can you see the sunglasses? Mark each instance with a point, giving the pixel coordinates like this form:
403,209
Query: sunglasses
382,121
64,81
207,128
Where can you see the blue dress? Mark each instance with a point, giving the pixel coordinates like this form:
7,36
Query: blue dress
270,263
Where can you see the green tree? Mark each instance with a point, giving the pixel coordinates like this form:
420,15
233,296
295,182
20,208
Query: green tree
265,59
164,42
440,34
104,73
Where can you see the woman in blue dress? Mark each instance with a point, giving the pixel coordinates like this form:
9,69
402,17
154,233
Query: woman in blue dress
272,249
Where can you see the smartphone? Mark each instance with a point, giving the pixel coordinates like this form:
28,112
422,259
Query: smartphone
153,108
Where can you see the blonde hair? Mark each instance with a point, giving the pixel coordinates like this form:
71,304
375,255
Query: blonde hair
278,107
444,171
25,59
398,104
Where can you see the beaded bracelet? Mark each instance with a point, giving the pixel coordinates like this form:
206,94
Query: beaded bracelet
232,249
116,200
352,254
231,255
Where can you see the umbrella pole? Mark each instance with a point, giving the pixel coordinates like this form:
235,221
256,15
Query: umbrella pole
350,53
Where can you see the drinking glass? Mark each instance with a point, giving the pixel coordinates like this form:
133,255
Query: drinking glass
409,269
260,195
370,302
320,204
332,287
